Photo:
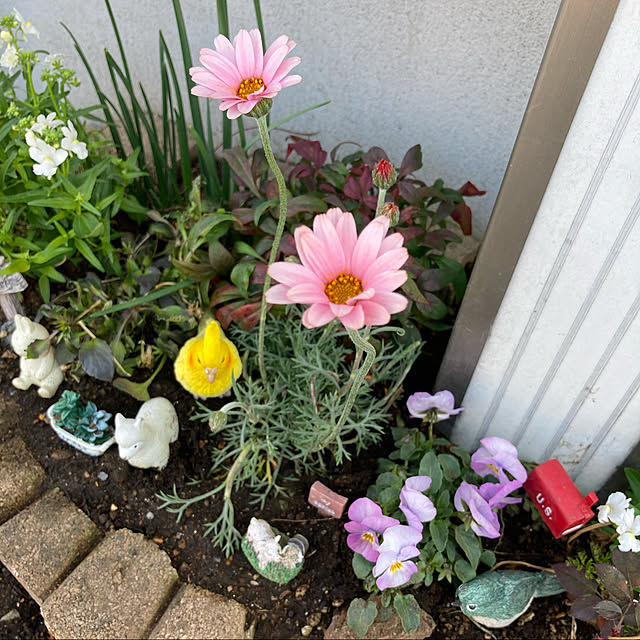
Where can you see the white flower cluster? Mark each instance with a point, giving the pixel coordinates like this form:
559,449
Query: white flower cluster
617,511
9,57
46,157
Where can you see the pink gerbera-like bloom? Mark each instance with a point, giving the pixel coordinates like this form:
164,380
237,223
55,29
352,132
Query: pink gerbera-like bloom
343,275
240,74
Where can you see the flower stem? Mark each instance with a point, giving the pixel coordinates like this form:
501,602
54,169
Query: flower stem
361,343
381,196
266,144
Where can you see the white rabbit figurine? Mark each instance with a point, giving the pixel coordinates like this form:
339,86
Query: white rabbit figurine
44,371
144,441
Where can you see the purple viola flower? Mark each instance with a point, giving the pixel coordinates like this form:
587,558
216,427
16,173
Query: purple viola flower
496,493
485,521
416,507
421,403
495,456
393,567
366,522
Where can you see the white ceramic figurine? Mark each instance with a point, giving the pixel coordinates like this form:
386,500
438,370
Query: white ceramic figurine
44,371
144,441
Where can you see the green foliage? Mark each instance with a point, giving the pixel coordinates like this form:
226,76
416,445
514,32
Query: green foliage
65,214
586,560
361,615
87,422
294,417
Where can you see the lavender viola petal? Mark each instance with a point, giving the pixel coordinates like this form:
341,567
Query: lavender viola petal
418,504
412,520
485,521
365,544
495,493
495,456
443,402
398,574
399,536
379,523
418,483
363,508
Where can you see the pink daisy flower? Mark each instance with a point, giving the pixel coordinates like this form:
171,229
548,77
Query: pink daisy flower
240,75
343,275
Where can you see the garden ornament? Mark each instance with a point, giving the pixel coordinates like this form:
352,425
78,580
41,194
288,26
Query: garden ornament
271,553
496,598
42,371
206,364
10,286
144,441
557,499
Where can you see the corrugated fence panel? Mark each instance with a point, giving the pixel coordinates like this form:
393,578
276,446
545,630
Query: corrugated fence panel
560,372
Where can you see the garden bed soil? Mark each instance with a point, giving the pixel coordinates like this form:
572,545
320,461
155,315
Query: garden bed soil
116,495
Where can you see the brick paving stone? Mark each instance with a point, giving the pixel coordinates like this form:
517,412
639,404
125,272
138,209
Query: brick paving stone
118,591
199,614
45,541
20,477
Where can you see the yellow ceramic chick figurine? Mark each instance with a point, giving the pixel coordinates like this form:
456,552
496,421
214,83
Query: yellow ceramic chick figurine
205,363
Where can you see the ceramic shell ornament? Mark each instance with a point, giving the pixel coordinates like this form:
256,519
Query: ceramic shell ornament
44,371
272,554
144,441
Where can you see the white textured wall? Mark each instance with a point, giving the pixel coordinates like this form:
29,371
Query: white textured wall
560,372
452,75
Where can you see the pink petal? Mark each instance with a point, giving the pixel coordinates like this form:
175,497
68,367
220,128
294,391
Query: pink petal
286,66
278,294
307,293
290,80
275,45
224,47
374,313
317,315
244,54
367,294
355,319
368,245
272,64
256,41
340,310
320,257
393,302
348,234
327,234
291,273
394,241
390,280
389,261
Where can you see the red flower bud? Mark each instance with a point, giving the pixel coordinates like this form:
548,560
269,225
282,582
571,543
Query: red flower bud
392,212
384,175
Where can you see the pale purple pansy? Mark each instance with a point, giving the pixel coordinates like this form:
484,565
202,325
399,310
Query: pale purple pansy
421,403
366,521
416,507
393,567
497,493
485,521
495,456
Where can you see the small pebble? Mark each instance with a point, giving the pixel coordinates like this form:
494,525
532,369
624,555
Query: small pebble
9,617
149,515
158,540
338,602
306,630
102,476
314,619
301,590
229,588
87,474
113,507
254,583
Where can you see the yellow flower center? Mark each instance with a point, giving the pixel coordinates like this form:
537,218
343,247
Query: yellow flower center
368,536
395,566
343,287
493,466
249,86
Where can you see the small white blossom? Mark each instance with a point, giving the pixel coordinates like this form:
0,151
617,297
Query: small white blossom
47,158
6,36
628,529
42,123
9,59
614,508
25,26
30,138
71,143
51,59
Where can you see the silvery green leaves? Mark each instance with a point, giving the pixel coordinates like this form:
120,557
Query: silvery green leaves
450,549
363,613
611,599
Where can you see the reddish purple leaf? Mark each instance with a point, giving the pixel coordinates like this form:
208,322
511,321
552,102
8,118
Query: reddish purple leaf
373,156
310,150
469,189
574,580
408,192
462,215
583,608
411,162
352,188
247,316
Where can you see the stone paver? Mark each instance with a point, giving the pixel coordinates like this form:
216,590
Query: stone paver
390,629
20,477
119,591
43,543
199,614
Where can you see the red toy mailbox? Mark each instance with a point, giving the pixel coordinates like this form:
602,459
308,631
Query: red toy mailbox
557,499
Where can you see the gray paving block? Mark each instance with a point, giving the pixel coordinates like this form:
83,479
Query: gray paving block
44,542
200,614
20,477
118,591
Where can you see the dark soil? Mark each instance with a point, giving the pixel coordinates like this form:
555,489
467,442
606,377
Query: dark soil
126,498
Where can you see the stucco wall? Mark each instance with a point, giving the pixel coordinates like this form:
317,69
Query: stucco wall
452,75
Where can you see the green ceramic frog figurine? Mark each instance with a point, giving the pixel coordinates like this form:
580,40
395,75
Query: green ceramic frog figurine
496,598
